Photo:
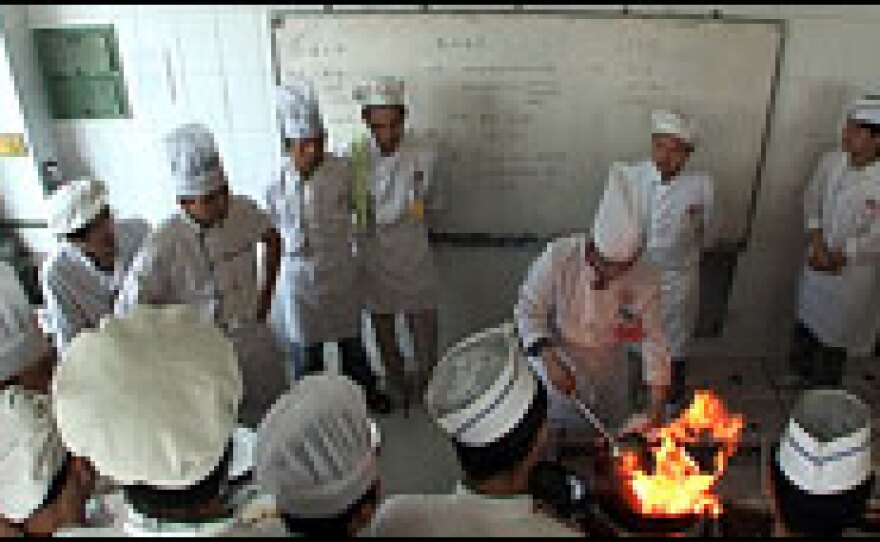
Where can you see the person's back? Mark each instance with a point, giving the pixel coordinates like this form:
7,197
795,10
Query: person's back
151,400
494,410
474,516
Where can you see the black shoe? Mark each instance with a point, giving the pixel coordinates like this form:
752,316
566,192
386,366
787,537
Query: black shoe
379,403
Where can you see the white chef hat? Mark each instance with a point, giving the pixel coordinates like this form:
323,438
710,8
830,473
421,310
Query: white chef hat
194,160
316,448
617,228
826,446
482,388
866,109
151,398
75,204
299,116
21,342
386,90
664,121
31,453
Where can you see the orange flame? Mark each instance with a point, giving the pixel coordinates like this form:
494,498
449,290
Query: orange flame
677,487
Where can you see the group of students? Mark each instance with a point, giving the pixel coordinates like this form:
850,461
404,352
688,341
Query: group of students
632,281
136,433
336,235
166,340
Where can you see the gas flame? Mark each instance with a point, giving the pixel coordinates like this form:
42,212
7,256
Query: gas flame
677,487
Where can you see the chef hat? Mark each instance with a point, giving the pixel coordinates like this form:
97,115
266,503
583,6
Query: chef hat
482,388
316,447
31,453
826,447
380,91
194,159
617,226
21,341
865,110
75,204
674,123
298,114
151,398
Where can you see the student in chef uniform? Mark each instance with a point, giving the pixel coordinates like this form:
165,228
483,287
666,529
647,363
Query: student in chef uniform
26,355
677,208
43,488
151,400
820,472
82,276
317,456
583,301
397,198
486,398
206,256
318,298
840,288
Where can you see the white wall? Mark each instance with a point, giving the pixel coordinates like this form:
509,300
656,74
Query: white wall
22,111
218,59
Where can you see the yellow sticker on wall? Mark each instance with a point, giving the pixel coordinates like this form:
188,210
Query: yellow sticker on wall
12,145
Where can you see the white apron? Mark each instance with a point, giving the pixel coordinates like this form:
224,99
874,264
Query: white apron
398,266
317,298
679,215
842,309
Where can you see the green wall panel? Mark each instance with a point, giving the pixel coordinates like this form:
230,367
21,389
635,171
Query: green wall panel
82,72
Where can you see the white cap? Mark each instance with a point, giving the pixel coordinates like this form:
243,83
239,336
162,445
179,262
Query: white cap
617,228
21,341
865,110
826,447
380,91
670,122
316,448
299,116
151,398
73,205
482,388
194,160
31,453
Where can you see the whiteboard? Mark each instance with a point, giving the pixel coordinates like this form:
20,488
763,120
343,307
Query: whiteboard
533,108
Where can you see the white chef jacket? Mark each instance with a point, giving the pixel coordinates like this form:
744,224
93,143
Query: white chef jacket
463,514
398,266
77,293
558,302
680,219
845,202
317,298
215,270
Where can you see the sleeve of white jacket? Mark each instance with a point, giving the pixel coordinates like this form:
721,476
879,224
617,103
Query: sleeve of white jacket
534,309
864,249
269,199
59,317
143,283
815,193
656,358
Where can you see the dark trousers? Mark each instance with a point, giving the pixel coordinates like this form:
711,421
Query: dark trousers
815,362
354,362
